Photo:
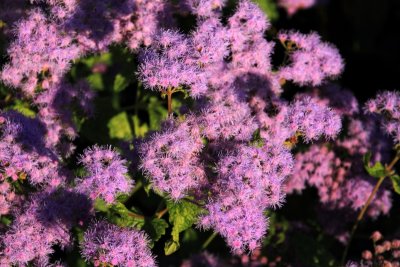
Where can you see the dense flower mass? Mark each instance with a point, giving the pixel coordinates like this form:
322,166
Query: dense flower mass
40,41
171,158
249,181
45,221
312,61
105,243
106,174
222,159
387,104
24,153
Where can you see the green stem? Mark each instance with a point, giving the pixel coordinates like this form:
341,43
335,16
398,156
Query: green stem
209,240
366,205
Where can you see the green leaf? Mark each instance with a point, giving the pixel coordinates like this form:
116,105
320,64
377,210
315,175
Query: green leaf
256,139
101,205
96,81
396,183
170,247
157,112
378,170
23,108
182,215
269,7
119,127
156,228
140,129
123,217
120,83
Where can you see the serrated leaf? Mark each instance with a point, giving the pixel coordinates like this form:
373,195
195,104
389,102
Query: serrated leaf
101,205
156,228
119,127
182,215
140,129
122,216
170,247
157,113
396,183
378,170
120,83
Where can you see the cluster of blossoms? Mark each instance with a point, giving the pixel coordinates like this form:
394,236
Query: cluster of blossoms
385,253
105,243
311,60
292,6
44,222
336,170
387,105
106,174
238,87
231,152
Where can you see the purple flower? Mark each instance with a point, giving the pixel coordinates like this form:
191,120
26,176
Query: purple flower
292,6
45,222
171,160
38,40
205,8
249,181
312,61
105,243
24,153
166,65
106,174
387,105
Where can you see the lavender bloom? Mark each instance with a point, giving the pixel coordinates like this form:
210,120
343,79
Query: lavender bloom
312,120
292,6
38,40
210,45
249,181
24,154
341,181
246,33
166,65
387,104
105,243
46,221
55,112
205,8
106,174
312,61
171,158
227,116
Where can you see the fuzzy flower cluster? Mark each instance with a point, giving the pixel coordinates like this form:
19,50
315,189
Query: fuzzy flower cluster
387,105
385,253
38,40
45,221
292,6
171,159
204,8
165,65
311,60
249,181
238,88
339,177
106,174
105,244
24,153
